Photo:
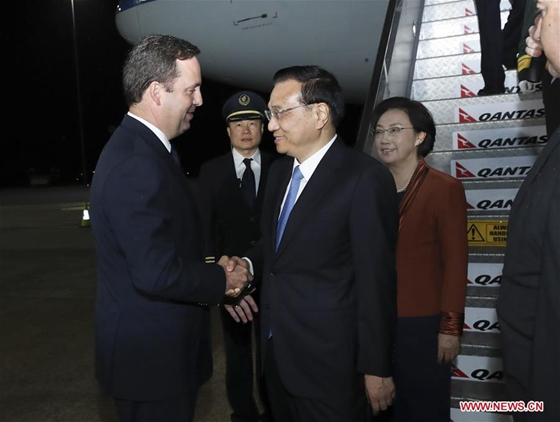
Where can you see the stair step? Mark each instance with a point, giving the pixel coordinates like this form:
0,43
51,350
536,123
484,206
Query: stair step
438,67
462,25
478,343
487,301
457,86
490,135
456,9
487,109
473,390
504,4
512,163
489,201
450,46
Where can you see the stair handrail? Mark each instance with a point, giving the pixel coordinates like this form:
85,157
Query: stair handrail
399,14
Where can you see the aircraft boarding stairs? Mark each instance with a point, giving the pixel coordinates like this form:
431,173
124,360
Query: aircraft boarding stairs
489,143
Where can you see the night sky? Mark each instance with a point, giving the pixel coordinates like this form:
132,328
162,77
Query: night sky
40,132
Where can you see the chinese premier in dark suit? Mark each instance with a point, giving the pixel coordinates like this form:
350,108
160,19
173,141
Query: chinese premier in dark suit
328,299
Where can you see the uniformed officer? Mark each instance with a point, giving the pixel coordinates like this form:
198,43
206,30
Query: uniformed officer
231,190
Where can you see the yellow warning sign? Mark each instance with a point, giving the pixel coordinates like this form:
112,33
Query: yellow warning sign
487,233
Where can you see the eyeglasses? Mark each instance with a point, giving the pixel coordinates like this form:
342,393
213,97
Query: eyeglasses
278,114
392,131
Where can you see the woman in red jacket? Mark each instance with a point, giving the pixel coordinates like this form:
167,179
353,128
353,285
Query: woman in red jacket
432,255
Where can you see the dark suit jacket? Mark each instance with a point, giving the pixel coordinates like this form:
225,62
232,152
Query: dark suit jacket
529,303
230,226
329,292
432,250
151,272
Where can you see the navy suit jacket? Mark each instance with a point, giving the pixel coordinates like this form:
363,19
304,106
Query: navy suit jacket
230,226
329,291
151,275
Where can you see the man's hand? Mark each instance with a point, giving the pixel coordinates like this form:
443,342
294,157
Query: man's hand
534,46
380,392
244,310
237,274
448,347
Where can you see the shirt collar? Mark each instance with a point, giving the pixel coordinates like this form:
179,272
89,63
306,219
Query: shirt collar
308,167
161,136
238,158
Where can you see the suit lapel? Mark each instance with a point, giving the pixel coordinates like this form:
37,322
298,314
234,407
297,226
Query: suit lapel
161,152
323,178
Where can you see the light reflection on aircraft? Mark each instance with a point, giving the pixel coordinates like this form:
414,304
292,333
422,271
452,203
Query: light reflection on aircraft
244,42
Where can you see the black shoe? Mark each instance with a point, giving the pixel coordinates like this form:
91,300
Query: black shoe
491,90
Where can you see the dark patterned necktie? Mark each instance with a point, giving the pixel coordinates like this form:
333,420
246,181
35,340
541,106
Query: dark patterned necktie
248,189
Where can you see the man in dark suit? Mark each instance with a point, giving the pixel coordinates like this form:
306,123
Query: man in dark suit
529,303
231,190
151,320
328,300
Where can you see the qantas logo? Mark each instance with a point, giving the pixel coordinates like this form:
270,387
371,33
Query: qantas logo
499,204
510,115
504,171
479,374
456,372
465,117
469,12
487,280
466,70
513,142
461,172
484,325
467,49
467,30
470,207
464,143
465,92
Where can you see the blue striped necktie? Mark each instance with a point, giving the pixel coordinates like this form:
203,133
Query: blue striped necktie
289,204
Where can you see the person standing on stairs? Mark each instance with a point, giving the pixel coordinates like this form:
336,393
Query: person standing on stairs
498,47
432,256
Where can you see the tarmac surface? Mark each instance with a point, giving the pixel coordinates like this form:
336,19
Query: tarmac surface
47,290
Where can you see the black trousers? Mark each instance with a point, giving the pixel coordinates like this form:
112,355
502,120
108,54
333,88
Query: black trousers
423,385
498,47
288,408
491,42
239,368
176,409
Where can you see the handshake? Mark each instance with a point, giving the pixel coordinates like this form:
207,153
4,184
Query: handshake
238,276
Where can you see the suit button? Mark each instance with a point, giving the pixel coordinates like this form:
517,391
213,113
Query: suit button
253,242
252,219
267,306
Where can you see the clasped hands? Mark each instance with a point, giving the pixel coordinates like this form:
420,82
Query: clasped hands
237,274
238,278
